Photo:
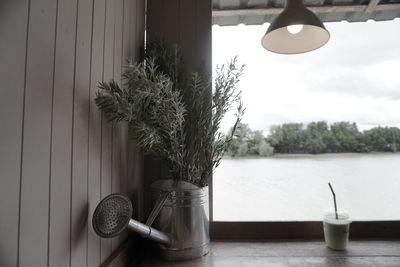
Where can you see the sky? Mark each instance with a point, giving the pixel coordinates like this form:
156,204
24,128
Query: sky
355,77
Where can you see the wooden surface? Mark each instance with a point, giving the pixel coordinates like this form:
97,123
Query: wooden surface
36,145
60,190
290,253
59,156
95,125
13,30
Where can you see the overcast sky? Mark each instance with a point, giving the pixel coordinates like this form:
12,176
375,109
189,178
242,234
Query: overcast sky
354,77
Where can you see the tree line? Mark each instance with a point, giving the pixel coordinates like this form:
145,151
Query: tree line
313,138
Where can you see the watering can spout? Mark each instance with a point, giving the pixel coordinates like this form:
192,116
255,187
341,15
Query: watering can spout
113,215
149,232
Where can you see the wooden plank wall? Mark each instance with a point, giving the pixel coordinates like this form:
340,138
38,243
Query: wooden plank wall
58,154
186,23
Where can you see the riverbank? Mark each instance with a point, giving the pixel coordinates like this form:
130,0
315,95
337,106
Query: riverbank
321,155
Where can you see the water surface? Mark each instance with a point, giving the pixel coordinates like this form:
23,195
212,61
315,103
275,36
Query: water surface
295,187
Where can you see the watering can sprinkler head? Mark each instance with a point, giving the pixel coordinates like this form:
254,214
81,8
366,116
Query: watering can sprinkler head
113,215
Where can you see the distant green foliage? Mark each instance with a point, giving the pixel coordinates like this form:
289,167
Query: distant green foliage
243,149
249,143
173,116
314,138
265,149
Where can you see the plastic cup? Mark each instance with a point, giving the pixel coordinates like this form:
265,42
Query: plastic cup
336,231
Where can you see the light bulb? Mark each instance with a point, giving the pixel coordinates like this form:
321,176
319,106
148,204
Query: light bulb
294,29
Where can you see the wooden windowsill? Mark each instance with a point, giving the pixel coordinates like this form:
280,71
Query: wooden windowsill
372,243
289,253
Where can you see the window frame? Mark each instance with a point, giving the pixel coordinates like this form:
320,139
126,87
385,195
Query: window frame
300,230
384,229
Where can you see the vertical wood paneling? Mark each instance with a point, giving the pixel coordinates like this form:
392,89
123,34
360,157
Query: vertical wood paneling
138,160
135,158
151,24
204,37
116,154
94,182
126,7
140,25
186,23
106,165
13,30
115,183
132,29
34,212
123,167
124,127
155,29
188,35
119,16
170,31
79,209
126,41
59,154
60,198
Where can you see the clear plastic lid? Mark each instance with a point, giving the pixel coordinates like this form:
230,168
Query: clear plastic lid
330,216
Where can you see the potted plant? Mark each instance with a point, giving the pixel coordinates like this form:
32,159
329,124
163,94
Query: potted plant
177,117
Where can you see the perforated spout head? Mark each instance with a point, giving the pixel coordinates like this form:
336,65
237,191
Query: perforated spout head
112,215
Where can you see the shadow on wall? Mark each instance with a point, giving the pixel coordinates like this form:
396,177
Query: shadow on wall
80,225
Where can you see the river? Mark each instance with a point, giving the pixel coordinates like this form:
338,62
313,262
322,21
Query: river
295,187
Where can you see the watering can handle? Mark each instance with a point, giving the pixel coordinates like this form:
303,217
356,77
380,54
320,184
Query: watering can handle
157,207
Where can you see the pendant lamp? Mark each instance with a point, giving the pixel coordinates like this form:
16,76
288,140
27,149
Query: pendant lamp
296,30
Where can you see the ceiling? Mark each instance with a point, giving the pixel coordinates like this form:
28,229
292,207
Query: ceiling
254,12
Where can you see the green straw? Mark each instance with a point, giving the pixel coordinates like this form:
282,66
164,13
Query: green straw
334,200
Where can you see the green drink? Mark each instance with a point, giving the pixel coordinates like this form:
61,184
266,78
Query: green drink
336,231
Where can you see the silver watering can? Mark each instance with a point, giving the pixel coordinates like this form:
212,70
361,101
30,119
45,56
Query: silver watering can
180,214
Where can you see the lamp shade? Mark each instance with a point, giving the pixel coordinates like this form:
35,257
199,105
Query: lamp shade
309,35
